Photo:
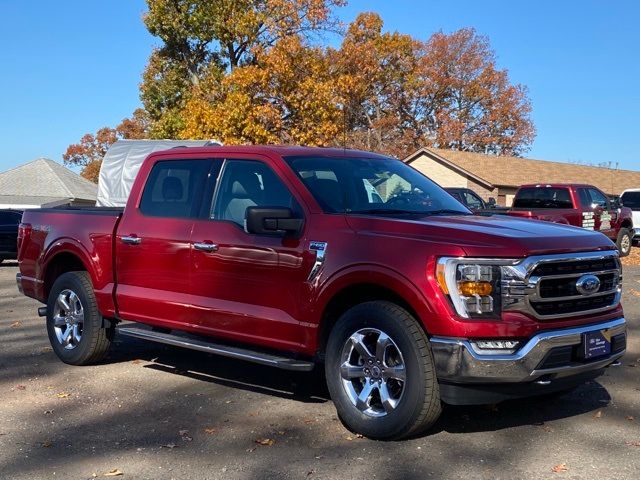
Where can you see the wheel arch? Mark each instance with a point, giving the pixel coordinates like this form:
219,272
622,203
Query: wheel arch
368,284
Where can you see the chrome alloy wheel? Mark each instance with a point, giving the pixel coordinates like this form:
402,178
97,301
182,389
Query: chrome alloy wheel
68,319
373,372
625,243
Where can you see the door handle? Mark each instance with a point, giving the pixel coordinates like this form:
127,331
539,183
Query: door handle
131,240
205,246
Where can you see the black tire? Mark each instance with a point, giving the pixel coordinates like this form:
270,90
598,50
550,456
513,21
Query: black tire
95,340
419,404
624,242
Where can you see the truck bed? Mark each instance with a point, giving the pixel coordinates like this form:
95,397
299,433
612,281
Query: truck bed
53,235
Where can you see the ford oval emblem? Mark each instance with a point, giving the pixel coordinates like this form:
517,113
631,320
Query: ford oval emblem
588,285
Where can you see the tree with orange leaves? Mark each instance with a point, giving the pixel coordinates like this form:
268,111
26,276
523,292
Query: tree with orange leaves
90,150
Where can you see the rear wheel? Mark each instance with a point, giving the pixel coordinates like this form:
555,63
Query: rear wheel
380,372
624,242
74,324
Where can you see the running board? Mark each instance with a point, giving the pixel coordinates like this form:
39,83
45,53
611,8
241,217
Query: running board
197,343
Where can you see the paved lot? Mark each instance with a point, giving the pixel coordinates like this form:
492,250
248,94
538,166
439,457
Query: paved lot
155,412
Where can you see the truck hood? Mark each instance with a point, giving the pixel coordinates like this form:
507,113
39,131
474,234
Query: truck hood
493,236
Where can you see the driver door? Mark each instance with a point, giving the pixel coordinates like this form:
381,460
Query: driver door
247,287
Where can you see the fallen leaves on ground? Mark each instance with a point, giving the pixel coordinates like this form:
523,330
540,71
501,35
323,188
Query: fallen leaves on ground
46,349
633,444
136,361
210,431
631,418
47,444
633,259
598,414
21,387
170,446
265,441
560,468
63,395
15,324
184,434
113,473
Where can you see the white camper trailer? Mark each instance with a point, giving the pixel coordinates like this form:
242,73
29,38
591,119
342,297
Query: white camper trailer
122,163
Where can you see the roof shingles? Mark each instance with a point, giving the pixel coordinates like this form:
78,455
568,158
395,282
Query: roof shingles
45,178
516,171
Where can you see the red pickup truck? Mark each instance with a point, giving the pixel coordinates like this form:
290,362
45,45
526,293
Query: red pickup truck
578,205
283,256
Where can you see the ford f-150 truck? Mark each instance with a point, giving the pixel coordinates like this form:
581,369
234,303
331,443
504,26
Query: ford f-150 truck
578,205
282,256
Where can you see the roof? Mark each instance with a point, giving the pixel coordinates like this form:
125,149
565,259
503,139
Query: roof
32,200
283,150
45,178
505,171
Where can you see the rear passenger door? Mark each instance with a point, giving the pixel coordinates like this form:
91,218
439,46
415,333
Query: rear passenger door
153,249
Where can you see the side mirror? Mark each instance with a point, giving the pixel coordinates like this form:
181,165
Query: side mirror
491,202
272,220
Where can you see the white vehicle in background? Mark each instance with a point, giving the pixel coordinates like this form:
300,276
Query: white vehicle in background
631,199
122,161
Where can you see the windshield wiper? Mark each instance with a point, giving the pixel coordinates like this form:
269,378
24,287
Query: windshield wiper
446,211
391,211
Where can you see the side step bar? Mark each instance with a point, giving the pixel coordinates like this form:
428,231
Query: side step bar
186,340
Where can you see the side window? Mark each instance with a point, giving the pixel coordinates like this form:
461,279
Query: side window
473,201
249,183
585,198
599,198
174,188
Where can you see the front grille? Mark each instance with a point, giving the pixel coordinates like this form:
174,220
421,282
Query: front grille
575,267
577,305
566,286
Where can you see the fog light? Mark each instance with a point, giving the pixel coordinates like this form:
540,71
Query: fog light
495,347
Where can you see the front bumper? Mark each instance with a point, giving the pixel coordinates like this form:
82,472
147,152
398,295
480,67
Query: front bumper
547,356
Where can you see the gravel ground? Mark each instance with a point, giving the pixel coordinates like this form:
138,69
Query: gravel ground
156,412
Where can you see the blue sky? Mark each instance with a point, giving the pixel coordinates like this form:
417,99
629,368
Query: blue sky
70,67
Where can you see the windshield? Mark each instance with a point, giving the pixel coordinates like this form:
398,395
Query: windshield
375,186
631,200
543,197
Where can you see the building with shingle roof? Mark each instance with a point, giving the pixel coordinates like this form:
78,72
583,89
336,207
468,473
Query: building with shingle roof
44,183
500,176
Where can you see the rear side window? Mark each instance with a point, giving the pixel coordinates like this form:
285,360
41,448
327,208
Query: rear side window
631,200
543,197
174,188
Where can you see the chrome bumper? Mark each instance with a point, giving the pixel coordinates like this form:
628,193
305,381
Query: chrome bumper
458,362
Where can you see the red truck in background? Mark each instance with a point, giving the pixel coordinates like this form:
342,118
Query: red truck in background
283,257
578,205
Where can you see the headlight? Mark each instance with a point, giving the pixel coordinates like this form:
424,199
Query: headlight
474,286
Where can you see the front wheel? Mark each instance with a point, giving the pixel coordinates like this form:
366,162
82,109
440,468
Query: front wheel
74,323
380,372
624,242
